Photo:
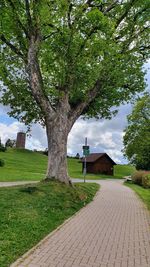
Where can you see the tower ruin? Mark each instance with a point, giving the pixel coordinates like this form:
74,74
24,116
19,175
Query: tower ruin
21,140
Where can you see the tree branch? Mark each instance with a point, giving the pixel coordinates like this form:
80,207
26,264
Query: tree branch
36,80
133,37
29,19
47,36
17,18
51,26
12,47
88,36
129,6
69,15
78,109
110,7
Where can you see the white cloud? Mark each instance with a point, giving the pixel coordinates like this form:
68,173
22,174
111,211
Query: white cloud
103,135
100,138
37,140
9,131
4,109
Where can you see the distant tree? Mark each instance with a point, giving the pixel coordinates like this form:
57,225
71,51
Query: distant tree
45,152
10,143
77,156
2,163
66,58
137,134
2,147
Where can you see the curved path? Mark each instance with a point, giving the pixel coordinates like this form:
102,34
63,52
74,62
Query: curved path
112,231
17,183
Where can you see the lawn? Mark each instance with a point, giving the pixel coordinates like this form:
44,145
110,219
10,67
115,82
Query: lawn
143,193
120,171
28,214
23,164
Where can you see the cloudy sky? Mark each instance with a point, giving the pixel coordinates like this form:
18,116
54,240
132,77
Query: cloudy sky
103,135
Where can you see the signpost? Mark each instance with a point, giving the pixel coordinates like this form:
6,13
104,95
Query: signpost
86,152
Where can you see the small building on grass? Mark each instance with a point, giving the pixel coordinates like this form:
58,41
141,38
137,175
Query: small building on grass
99,163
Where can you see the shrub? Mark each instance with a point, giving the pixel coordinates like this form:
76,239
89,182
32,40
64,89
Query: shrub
2,148
137,177
146,181
10,143
2,162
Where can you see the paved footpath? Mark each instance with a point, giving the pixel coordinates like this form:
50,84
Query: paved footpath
112,231
8,184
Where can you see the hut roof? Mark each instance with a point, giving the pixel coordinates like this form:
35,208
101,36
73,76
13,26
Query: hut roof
95,156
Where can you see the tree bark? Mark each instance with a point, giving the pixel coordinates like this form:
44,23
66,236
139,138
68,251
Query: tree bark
57,134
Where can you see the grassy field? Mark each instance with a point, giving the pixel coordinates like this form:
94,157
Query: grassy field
23,164
27,214
119,171
143,193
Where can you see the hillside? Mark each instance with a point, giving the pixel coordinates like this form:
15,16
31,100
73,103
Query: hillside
23,164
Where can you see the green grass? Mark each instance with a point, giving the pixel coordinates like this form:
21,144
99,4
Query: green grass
123,170
119,171
23,164
143,193
28,214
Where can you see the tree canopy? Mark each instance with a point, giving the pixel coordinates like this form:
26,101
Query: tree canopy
86,48
137,134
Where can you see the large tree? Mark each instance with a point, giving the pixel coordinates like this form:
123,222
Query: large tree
65,58
137,134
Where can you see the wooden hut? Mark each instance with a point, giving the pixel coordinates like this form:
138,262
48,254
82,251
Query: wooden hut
99,163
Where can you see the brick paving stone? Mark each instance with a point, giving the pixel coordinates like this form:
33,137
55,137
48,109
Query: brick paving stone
112,231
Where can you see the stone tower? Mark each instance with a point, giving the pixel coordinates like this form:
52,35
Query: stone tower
21,140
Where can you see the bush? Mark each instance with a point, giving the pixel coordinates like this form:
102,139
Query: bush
146,181
2,148
141,178
137,177
10,143
2,162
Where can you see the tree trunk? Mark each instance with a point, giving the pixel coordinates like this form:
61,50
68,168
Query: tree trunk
57,134
56,121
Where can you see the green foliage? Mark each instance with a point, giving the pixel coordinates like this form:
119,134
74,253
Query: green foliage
137,177
137,134
10,143
2,147
28,214
146,181
80,43
141,178
2,162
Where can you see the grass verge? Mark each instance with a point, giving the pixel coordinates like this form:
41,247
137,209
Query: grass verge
29,213
143,193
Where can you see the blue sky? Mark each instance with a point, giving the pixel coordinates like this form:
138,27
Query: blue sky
103,135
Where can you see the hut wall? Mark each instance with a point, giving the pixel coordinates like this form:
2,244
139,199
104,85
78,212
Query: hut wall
103,165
